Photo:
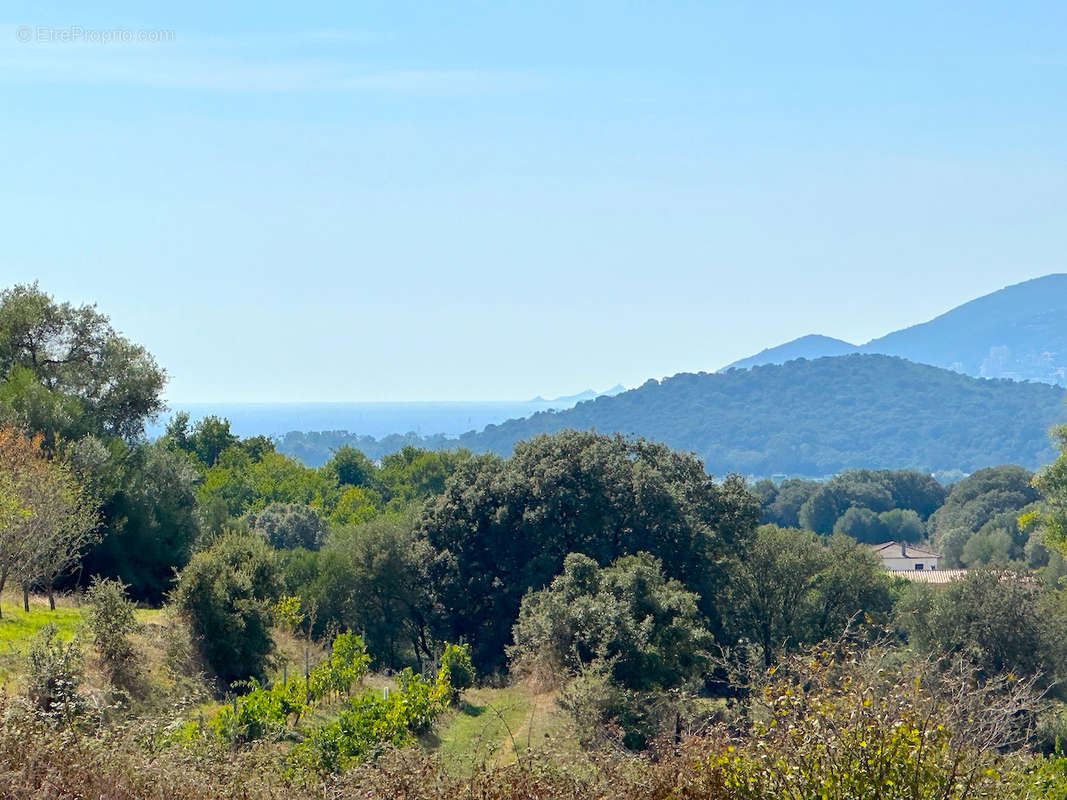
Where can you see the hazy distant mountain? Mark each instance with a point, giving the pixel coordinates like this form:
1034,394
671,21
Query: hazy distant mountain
821,416
1019,332
811,346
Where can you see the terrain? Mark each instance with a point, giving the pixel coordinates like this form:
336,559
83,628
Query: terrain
1018,332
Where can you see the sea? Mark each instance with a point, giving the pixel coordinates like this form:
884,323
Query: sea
367,419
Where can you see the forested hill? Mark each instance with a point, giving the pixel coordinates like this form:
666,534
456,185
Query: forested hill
819,417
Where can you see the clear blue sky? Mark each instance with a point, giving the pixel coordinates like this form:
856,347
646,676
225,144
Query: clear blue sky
393,201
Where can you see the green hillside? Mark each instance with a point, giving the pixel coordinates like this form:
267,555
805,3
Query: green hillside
819,417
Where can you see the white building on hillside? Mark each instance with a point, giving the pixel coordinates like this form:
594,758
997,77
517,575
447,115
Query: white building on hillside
904,557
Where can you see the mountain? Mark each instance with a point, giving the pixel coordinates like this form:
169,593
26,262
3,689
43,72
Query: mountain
1019,332
821,416
811,346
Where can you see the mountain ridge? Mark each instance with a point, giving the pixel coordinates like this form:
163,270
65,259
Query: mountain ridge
1017,332
810,346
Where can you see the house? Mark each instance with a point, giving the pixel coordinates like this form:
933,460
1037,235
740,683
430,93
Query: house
904,557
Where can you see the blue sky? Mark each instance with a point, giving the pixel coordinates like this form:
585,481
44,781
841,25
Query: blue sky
393,201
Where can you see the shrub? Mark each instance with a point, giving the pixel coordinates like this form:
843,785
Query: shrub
261,713
110,622
630,614
369,724
457,669
226,593
346,665
843,723
54,675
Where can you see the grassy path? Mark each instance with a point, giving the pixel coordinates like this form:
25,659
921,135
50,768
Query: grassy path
493,726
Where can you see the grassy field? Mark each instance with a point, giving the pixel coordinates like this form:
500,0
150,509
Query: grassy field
17,628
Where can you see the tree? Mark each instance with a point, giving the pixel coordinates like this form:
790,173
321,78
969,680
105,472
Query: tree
902,525
996,620
21,463
413,474
1002,493
209,438
1052,483
645,628
370,578
863,525
148,504
783,507
770,589
226,593
501,528
787,589
93,379
875,490
851,587
288,525
63,524
53,520
351,467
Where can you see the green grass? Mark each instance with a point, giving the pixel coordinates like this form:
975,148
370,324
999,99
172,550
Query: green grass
492,725
17,628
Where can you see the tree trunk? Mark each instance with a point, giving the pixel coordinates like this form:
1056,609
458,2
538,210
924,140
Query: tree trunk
26,599
51,598
3,580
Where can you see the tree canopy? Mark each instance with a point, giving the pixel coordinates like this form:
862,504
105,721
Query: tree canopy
67,372
501,527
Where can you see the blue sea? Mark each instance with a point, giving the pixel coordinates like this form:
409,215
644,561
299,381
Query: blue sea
369,419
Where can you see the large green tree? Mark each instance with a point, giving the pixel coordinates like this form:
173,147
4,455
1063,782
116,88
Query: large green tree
875,490
369,578
501,528
72,372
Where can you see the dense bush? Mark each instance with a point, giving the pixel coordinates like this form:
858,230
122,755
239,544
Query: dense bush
226,594
996,621
854,724
646,629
